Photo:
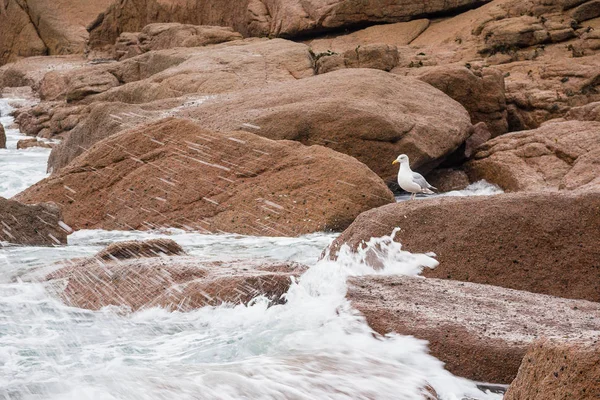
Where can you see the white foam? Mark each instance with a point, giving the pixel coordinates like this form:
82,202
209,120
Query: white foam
479,188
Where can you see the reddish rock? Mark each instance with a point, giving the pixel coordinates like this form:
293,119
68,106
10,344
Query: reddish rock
32,225
177,283
481,332
263,18
28,143
141,249
448,179
563,155
539,242
558,369
480,91
176,173
377,56
18,36
170,35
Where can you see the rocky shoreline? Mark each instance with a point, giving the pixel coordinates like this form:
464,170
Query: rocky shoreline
282,117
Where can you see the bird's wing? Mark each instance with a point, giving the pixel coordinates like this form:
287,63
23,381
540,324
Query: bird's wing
420,180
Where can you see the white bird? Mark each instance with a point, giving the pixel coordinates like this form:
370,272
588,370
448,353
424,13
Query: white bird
412,182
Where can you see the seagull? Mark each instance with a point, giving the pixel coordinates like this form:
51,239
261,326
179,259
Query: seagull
410,181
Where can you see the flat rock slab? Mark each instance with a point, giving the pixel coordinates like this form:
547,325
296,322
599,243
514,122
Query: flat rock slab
558,369
178,283
481,332
33,225
539,242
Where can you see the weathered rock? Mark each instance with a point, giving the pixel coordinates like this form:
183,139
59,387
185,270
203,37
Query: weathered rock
539,242
481,332
178,283
101,120
49,119
204,71
2,137
480,91
398,34
263,18
558,369
38,27
448,179
368,114
561,155
28,143
588,112
140,249
377,56
88,82
175,173
18,36
170,35
33,225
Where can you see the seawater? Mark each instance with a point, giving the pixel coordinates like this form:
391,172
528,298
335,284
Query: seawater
315,346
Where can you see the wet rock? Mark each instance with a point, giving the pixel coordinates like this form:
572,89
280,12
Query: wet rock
171,35
2,137
539,242
28,143
378,56
49,119
480,91
141,249
481,332
263,18
448,179
558,369
32,225
177,283
176,173
562,155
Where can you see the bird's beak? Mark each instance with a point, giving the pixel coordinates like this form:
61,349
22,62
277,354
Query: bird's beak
394,162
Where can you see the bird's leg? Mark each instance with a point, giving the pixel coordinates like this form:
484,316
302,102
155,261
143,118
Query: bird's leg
412,196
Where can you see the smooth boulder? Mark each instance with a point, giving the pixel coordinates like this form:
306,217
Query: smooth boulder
481,332
176,173
32,225
538,242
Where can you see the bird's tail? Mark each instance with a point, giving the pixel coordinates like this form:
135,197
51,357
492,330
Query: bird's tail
428,190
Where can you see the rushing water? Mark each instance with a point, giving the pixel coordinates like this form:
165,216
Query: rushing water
313,347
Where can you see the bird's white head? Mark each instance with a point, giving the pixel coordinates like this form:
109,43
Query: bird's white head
402,159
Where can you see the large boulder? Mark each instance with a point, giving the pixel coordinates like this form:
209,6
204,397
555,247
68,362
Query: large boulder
33,225
561,155
543,243
177,282
39,27
264,17
558,369
200,71
176,173
481,332
18,35
31,71
480,91
170,35
368,114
